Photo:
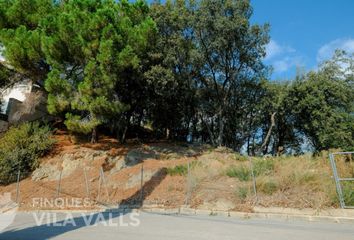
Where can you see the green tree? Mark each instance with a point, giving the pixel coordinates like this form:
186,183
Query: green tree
323,104
212,55
171,81
20,35
230,52
276,119
91,46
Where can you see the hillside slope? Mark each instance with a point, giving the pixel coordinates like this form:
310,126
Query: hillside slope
171,174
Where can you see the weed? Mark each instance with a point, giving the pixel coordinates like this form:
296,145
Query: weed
348,193
242,173
242,193
268,186
181,170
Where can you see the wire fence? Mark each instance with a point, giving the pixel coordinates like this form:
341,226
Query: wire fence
183,182
133,186
177,184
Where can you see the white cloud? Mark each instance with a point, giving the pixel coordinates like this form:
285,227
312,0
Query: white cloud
274,49
281,57
285,63
327,50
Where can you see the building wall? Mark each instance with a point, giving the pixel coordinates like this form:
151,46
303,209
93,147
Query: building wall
17,91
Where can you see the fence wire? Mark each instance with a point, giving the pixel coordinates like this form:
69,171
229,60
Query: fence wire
169,183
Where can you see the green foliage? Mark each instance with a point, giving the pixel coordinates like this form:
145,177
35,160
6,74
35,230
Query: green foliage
21,36
186,68
206,49
181,170
242,193
260,167
90,49
5,75
241,172
348,193
21,147
323,105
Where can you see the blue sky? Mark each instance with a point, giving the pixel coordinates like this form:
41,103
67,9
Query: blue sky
304,32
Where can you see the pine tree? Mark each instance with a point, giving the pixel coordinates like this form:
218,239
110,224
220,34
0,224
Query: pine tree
90,44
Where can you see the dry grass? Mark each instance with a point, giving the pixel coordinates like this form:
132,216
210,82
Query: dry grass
288,181
218,178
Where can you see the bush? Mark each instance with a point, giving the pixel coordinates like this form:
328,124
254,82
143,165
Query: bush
348,193
242,173
181,170
242,193
20,149
267,186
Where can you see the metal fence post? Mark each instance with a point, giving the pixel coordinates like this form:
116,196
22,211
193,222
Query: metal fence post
59,184
86,183
18,184
188,183
336,180
254,181
99,187
142,184
104,182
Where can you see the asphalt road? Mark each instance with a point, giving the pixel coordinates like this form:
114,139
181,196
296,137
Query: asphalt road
38,226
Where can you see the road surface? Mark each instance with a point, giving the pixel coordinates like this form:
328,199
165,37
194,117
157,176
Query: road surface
149,226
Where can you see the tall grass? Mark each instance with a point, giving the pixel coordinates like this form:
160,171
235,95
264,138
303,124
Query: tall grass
241,172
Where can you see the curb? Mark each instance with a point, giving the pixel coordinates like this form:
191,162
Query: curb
245,215
186,211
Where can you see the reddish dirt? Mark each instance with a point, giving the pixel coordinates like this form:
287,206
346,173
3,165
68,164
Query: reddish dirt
160,189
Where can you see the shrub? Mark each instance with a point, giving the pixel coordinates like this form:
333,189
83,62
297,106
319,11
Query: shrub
348,193
20,149
242,173
242,193
268,186
181,170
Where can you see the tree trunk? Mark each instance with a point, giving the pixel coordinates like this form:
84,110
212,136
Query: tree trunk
253,145
266,140
126,124
94,135
211,136
122,138
167,134
221,128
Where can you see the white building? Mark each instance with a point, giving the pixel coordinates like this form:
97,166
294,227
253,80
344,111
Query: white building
16,91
